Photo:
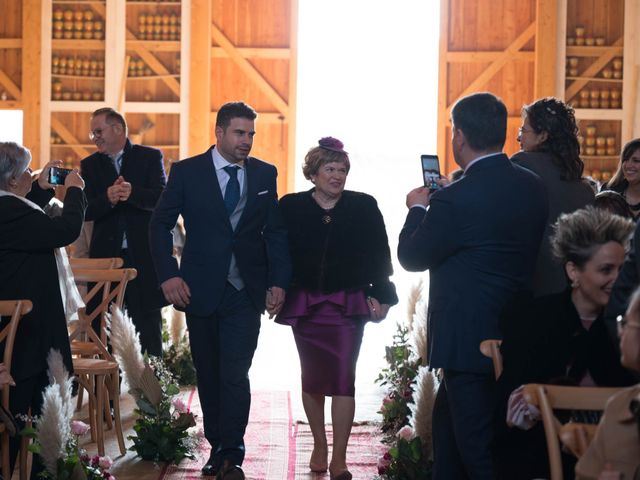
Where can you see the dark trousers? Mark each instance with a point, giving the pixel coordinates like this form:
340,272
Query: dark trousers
147,320
463,427
222,346
26,394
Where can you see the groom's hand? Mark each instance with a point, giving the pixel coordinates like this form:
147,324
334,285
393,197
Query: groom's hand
275,300
176,291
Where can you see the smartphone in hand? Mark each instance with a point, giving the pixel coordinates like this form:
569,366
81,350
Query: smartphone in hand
57,175
430,171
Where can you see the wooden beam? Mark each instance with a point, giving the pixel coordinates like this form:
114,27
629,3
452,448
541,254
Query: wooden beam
12,89
10,43
68,138
592,70
154,64
200,77
289,174
485,57
252,73
31,78
442,141
254,52
507,55
123,82
153,45
545,55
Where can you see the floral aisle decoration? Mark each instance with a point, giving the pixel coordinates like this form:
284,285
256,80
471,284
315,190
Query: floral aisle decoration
406,409
56,435
177,352
163,425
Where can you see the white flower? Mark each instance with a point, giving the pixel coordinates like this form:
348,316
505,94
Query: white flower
406,433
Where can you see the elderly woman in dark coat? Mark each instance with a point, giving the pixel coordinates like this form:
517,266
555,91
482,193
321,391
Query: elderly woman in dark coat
341,268
33,268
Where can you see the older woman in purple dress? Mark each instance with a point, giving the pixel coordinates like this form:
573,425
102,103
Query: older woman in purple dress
341,269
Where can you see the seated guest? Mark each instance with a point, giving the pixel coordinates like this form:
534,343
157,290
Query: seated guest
33,266
614,453
614,203
626,180
561,338
550,148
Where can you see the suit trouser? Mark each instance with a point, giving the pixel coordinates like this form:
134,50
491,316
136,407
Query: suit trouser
222,346
147,320
463,426
26,394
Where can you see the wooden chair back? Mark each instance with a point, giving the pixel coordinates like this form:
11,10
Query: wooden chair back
15,309
96,263
108,286
577,437
550,397
491,348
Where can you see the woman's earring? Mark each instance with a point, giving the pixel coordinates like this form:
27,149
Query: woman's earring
575,284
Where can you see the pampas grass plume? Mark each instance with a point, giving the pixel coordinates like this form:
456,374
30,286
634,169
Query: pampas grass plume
178,325
414,296
59,375
126,346
424,397
419,332
52,435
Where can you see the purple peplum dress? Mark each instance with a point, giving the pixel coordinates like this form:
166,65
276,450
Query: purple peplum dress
328,332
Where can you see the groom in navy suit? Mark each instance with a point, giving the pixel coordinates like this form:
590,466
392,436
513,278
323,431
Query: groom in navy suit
235,263
479,238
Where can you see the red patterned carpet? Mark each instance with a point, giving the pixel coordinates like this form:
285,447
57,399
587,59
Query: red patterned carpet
278,449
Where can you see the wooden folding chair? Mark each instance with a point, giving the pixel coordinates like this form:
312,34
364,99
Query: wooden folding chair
96,366
549,397
15,309
491,349
577,437
96,263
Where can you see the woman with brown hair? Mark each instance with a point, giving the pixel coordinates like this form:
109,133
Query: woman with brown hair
341,268
626,180
550,148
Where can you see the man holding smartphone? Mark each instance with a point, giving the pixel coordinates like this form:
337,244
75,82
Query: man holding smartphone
479,239
123,184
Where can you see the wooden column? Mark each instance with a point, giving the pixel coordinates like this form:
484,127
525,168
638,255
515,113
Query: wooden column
200,77
546,55
293,99
31,78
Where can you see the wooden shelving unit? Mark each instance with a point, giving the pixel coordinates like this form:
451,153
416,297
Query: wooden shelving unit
153,97
599,80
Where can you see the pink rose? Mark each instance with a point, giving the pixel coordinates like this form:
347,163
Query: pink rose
387,399
383,463
79,428
406,433
180,406
105,463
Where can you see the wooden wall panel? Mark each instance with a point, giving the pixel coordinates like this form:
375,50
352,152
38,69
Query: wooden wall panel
262,79
10,53
486,45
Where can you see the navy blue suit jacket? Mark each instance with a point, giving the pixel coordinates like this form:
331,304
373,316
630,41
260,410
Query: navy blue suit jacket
479,240
142,167
259,241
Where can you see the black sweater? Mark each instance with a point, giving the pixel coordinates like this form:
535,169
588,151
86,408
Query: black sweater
349,252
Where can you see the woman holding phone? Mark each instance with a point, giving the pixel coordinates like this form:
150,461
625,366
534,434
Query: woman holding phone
341,269
33,266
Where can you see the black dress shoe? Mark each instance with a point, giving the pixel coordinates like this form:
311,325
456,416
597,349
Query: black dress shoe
209,469
230,472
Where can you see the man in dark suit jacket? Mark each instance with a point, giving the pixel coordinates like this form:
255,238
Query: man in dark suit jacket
123,184
479,238
235,254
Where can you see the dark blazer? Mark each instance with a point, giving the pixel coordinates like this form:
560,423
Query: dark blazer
144,169
259,241
350,252
544,341
28,271
479,240
563,197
